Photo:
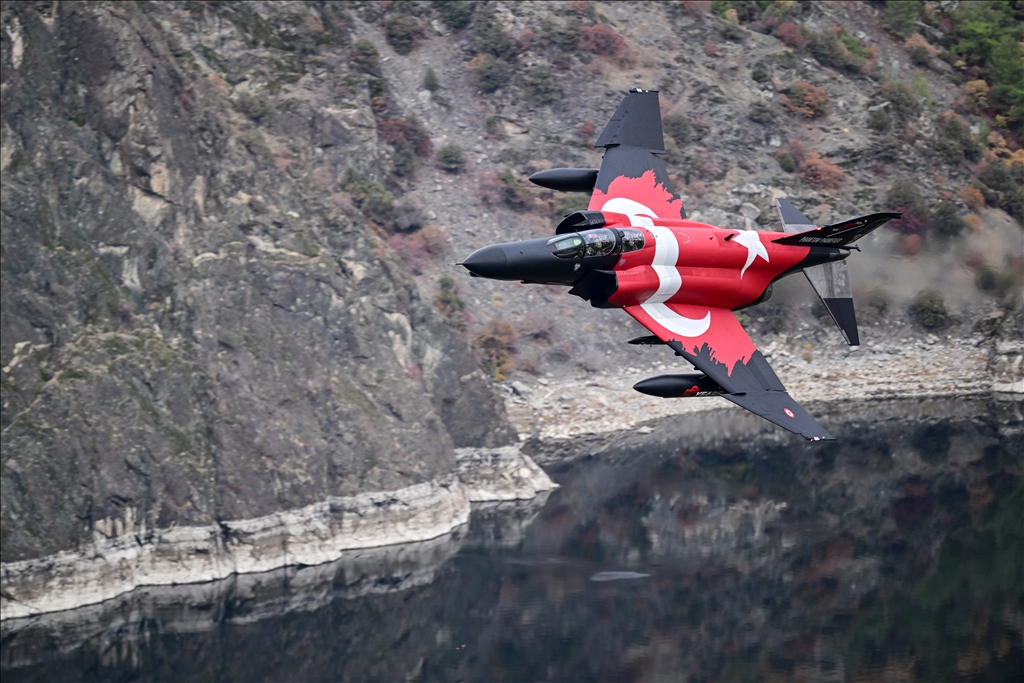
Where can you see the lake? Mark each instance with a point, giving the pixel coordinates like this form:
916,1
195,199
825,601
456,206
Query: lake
895,553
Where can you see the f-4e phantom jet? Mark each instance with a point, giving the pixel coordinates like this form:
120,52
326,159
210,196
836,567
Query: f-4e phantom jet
634,249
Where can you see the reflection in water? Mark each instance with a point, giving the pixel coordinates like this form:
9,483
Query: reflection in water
896,553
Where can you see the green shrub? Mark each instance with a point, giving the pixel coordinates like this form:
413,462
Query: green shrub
490,36
672,154
997,176
1008,183
515,195
900,15
366,57
496,344
542,86
929,309
986,278
450,158
876,302
402,32
448,302
569,38
920,55
901,98
839,50
946,220
879,119
570,201
405,160
761,112
904,193
490,73
455,14
677,127
786,163
430,81
370,197
257,107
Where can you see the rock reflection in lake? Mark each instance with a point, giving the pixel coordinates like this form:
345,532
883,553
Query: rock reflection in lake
895,553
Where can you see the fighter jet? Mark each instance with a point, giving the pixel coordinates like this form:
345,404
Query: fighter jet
634,248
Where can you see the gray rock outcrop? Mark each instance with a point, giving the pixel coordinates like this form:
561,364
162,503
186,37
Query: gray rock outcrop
193,332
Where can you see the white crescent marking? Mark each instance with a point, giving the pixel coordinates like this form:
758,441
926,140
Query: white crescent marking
666,256
666,246
752,241
639,215
675,323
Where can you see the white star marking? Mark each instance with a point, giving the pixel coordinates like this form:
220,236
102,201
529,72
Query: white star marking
752,241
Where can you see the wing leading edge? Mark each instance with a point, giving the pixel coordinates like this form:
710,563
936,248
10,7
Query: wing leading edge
716,344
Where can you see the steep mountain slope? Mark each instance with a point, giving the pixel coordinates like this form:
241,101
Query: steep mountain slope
228,228
192,330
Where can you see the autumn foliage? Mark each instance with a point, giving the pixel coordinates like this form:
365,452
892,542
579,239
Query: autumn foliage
600,40
972,197
804,99
789,34
821,173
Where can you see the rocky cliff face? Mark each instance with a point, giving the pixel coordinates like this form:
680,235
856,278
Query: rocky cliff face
192,331
224,228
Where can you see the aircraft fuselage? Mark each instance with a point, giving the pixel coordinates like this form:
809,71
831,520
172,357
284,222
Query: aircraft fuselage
631,260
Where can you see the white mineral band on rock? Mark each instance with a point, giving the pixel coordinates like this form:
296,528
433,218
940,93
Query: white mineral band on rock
312,535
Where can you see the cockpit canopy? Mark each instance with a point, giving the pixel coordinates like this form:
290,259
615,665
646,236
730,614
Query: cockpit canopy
598,242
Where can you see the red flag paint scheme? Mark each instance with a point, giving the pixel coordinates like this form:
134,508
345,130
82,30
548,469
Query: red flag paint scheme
635,249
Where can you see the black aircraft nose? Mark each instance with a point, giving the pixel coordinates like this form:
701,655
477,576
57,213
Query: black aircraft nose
489,262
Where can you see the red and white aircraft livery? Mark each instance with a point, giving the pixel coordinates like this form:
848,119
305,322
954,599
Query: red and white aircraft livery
634,249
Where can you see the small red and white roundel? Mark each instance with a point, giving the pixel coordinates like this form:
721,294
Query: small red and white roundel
788,412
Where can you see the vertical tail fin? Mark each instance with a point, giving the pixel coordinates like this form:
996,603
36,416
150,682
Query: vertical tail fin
831,281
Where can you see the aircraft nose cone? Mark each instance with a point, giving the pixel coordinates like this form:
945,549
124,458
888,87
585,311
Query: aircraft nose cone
487,262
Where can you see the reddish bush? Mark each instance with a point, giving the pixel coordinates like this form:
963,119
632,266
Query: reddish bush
397,132
909,223
975,259
789,34
911,244
696,8
821,173
972,197
410,250
600,40
795,149
490,188
805,100
710,49
585,131
433,239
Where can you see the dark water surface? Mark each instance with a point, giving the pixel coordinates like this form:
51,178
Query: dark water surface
896,553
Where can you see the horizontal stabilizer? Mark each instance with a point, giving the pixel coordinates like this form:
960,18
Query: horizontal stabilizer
831,282
838,234
792,219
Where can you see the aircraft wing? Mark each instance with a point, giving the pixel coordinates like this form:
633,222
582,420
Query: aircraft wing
713,340
632,179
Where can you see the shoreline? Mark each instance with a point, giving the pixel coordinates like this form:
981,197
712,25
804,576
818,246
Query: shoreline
558,423
606,404
127,557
